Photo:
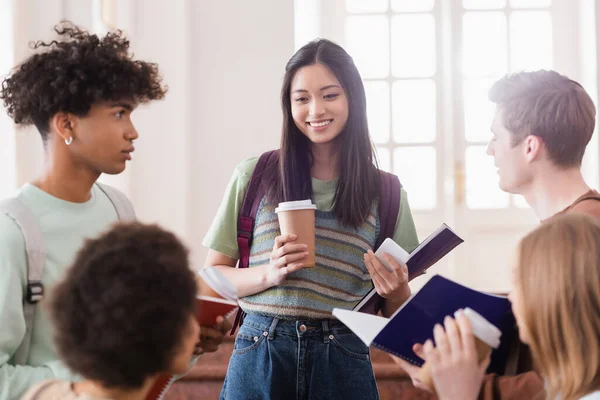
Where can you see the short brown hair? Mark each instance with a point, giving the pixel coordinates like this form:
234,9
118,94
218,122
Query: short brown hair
550,106
125,305
558,277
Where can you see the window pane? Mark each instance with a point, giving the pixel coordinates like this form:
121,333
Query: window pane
378,110
416,166
482,180
383,157
484,4
531,40
368,43
413,45
412,5
414,116
484,44
479,111
530,3
362,6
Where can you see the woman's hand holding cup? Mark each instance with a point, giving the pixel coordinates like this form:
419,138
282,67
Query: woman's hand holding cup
286,257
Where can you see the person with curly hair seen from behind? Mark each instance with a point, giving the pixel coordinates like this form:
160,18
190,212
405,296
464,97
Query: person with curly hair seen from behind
79,91
124,313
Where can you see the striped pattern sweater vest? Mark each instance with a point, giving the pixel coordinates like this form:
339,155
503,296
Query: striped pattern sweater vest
339,279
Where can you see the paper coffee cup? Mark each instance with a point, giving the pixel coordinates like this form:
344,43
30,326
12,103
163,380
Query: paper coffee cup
298,218
487,337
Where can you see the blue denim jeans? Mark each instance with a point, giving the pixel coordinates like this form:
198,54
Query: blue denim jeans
302,360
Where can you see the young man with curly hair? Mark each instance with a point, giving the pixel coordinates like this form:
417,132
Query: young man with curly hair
79,91
124,313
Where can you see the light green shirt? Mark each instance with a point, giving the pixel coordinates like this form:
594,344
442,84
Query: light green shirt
222,236
64,226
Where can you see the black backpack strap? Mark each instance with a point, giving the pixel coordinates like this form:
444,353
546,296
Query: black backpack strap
245,230
389,208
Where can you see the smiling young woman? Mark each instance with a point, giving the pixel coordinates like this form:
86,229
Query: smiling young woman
326,155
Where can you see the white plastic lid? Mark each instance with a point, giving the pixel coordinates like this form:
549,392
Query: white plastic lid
296,205
482,328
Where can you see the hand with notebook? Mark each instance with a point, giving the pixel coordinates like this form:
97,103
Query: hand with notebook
390,279
217,301
430,251
457,362
414,321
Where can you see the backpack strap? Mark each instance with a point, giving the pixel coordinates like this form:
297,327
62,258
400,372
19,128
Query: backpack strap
122,205
389,208
254,194
35,249
389,205
245,229
36,260
592,196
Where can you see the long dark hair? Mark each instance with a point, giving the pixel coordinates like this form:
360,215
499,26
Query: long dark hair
358,182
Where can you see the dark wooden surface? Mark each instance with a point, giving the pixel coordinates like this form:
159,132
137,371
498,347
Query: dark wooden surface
205,380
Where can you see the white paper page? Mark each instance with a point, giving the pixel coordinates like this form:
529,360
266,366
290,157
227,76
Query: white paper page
365,326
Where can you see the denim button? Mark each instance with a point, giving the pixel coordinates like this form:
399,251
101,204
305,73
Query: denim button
302,328
255,338
265,333
330,336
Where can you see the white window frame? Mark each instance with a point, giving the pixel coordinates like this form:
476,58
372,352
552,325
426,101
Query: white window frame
481,227
450,142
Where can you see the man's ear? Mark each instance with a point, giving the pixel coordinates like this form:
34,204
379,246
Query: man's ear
64,125
532,147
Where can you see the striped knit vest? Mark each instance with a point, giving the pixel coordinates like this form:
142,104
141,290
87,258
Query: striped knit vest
339,279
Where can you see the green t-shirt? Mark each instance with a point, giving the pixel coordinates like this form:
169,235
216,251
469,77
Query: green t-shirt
64,227
222,236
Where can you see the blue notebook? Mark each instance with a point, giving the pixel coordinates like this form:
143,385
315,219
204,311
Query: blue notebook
413,322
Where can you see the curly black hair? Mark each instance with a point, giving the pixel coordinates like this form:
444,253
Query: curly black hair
75,72
122,310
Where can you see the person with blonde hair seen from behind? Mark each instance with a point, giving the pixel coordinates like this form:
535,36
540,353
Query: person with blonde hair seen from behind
556,302
125,313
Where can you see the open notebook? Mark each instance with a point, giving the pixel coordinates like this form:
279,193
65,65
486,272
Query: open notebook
208,308
431,250
413,322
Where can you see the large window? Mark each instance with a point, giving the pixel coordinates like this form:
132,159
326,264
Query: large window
399,48
427,66
395,48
